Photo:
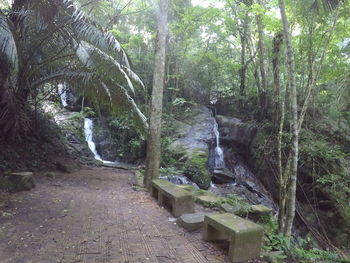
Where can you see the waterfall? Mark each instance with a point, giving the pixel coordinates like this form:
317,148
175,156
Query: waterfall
219,153
62,91
88,128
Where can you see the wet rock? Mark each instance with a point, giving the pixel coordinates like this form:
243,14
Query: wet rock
223,176
103,139
233,130
178,180
195,133
191,222
15,182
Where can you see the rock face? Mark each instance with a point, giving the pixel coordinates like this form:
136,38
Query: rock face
15,182
103,140
223,176
233,130
195,133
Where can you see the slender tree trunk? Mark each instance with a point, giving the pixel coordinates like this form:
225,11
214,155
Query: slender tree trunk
243,69
290,205
279,118
263,98
154,133
276,49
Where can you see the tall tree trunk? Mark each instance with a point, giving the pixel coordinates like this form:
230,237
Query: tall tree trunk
290,205
263,97
243,69
154,133
279,116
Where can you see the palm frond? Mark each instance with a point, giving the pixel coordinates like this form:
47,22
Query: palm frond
98,60
93,86
324,6
7,42
88,31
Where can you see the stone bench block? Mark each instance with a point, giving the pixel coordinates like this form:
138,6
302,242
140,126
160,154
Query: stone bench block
179,201
245,237
191,222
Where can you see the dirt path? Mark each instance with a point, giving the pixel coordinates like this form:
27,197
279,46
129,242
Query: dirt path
94,215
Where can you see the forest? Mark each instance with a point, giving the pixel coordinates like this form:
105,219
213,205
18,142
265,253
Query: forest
244,104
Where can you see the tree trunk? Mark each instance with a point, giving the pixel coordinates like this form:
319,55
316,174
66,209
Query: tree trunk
263,97
290,205
154,133
279,116
243,69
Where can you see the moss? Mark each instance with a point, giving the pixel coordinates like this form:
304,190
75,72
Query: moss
196,169
187,187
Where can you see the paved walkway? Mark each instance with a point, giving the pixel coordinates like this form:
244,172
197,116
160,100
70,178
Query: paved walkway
94,215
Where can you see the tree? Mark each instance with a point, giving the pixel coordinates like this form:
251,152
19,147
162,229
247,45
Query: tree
154,133
295,132
47,42
291,170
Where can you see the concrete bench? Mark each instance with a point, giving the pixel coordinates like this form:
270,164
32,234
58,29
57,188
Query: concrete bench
245,237
179,201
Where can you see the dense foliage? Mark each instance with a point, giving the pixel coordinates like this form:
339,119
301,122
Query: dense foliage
229,52
46,42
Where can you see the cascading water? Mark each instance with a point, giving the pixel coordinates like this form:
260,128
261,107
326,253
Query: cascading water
88,129
219,153
178,179
88,125
63,94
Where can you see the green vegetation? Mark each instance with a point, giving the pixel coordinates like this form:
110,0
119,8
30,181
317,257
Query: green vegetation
233,52
295,250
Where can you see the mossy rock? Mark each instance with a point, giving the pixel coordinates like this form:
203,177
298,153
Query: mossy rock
207,200
196,169
15,182
260,213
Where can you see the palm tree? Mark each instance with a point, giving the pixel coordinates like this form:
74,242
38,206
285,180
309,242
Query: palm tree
50,41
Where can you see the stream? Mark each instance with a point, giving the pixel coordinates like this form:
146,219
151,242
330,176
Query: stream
88,126
243,182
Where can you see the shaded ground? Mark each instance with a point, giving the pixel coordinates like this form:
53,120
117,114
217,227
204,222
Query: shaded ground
94,215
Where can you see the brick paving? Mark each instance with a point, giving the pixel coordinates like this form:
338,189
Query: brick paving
94,215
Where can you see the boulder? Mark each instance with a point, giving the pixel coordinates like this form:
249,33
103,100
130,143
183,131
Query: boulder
103,139
233,130
259,212
15,182
191,222
223,176
194,135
